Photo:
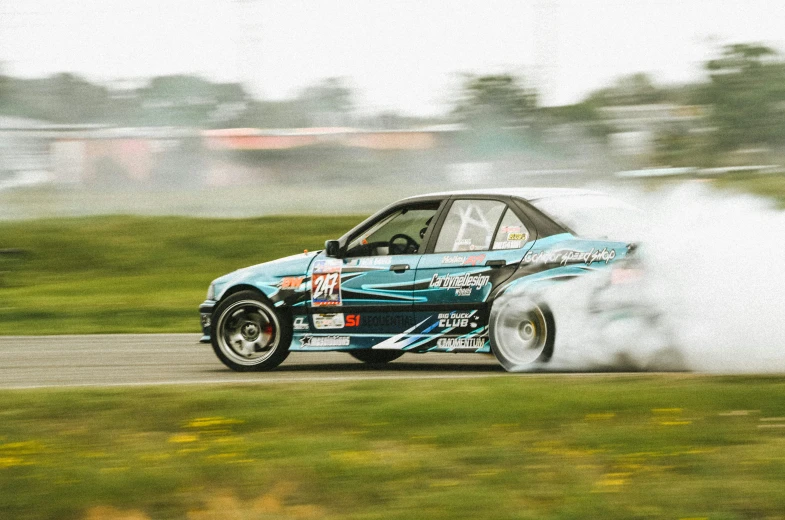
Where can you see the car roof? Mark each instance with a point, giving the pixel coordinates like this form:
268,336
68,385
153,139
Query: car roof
528,194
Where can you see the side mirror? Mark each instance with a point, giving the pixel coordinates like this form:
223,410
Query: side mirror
332,248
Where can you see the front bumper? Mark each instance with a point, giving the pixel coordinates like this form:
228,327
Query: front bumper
206,315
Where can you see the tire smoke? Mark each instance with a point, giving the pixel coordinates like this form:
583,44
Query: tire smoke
713,291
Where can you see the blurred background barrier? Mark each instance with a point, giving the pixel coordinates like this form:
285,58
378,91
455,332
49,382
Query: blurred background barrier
69,146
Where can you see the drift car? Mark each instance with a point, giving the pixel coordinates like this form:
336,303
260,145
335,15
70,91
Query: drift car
446,272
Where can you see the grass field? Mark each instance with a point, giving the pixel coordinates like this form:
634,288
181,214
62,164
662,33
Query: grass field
135,274
513,447
771,186
565,447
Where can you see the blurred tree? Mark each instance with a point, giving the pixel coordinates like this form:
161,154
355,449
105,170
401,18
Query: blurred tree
231,101
184,100
500,114
272,114
587,114
496,101
62,98
73,99
746,94
635,89
677,145
229,93
4,84
328,103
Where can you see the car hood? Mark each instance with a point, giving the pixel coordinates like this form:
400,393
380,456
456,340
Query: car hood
266,276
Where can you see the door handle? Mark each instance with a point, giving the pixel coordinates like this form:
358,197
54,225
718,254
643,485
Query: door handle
399,268
496,263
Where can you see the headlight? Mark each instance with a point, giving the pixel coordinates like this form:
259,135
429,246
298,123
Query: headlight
211,292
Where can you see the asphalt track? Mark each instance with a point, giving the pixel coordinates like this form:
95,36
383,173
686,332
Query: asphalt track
174,359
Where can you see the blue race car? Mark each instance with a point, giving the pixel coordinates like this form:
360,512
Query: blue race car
463,271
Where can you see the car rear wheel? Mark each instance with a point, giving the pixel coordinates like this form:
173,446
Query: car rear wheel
249,334
376,357
522,333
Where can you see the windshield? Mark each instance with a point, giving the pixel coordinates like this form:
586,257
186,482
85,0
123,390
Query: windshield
401,232
593,215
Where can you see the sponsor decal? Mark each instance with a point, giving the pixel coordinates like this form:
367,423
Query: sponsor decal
461,343
379,320
508,244
328,321
453,259
291,283
324,341
516,236
463,260
326,283
510,229
371,261
457,319
565,257
300,323
462,283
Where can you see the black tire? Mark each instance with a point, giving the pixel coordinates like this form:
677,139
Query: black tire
375,357
522,333
249,334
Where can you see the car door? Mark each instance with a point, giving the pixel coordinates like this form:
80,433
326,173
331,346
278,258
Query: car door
365,297
479,245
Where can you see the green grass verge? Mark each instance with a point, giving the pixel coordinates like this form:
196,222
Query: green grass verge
135,274
771,186
608,447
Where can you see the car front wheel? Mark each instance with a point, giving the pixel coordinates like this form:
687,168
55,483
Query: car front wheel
248,333
522,333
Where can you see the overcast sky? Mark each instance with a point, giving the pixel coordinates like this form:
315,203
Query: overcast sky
403,54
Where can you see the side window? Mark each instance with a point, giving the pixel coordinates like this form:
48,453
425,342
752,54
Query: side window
398,233
512,233
469,226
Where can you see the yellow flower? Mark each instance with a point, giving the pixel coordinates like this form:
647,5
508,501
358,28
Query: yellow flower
599,416
10,462
180,438
209,422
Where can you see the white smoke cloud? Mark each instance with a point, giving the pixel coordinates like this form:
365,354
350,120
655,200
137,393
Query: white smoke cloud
716,275
718,265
